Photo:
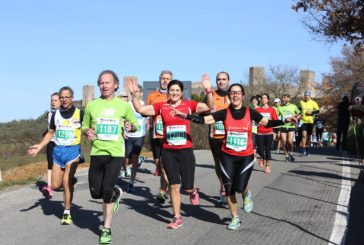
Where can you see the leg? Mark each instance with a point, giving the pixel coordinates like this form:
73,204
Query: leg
57,176
176,199
68,187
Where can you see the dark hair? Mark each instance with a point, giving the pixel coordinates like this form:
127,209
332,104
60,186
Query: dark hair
239,85
113,74
223,72
286,95
266,95
254,98
66,88
175,82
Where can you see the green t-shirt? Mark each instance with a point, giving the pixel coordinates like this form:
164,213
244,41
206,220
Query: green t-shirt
107,118
285,111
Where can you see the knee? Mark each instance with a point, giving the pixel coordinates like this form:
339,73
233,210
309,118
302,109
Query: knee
175,188
95,194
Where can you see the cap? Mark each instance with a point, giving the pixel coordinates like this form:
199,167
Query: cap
277,100
307,93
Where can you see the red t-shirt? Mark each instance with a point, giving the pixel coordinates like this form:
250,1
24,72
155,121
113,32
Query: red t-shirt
270,114
176,130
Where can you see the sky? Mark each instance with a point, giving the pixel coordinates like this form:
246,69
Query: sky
46,45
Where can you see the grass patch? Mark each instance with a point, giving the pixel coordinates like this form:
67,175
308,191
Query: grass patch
8,183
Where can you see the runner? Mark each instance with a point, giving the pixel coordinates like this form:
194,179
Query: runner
47,189
65,125
265,134
276,130
103,123
134,143
216,131
156,133
287,110
178,158
237,159
319,126
254,104
308,108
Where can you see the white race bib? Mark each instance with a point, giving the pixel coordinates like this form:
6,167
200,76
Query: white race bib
176,135
237,141
65,135
107,129
159,126
219,128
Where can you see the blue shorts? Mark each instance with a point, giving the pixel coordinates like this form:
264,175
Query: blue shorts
63,155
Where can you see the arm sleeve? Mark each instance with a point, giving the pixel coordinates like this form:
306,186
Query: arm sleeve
81,115
256,116
52,125
219,115
274,123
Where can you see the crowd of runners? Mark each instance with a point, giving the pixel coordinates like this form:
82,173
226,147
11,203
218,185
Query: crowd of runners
239,136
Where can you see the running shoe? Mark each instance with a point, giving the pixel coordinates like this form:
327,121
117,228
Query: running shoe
222,200
128,172
47,191
234,223
66,219
291,158
261,163
141,159
105,236
267,169
162,196
130,188
248,202
175,223
287,159
195,198
303,154
81,159
117,192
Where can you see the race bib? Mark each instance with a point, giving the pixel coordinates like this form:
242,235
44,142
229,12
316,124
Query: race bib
65,135
266,115
237,141
176,135
107,129
159,126
219,128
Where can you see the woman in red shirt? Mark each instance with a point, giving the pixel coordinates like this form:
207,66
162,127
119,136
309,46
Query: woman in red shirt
177,156
237,160
265,134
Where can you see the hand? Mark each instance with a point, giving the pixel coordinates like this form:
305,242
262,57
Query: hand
91,134
206,83
33,150
176,112
133,87
309,113
128,126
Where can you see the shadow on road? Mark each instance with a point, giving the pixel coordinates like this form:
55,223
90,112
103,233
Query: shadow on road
320,174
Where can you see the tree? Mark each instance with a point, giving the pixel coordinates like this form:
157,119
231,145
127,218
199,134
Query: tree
335,19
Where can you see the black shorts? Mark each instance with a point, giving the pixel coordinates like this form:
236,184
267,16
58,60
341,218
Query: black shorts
276,130
215,146
157,146
50,147
133,146
179,166
287,130
319,132
236,172
307,127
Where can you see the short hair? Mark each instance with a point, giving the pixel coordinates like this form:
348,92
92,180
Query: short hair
254,98
55,93
175,82
66,88
223,72
166,72
239,85
113,74
286,95
266,95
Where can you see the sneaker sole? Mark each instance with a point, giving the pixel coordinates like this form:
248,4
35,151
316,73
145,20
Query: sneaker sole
233,229
46,193
116,203
176,227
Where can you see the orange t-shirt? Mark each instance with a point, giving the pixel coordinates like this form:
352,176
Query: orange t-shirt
217,130
156,97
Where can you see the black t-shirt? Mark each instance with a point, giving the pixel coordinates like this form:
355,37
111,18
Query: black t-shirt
66,114
237,114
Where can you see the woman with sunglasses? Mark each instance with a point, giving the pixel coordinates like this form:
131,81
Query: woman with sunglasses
237,159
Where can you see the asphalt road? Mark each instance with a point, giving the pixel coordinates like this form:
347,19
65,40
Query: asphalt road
315,200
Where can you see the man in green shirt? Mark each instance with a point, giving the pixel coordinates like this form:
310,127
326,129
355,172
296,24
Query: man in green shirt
102,124
287,110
